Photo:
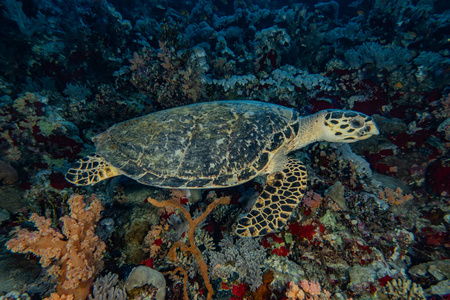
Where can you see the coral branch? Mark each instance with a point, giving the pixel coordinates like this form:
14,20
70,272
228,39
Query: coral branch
185,281
193,223
74,254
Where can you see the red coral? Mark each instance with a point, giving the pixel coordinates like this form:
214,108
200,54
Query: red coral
68,147
377,97
406,140
433,238
184,200
268,59
306,231
39,138
25,185
282,251
270,239
438,176
239,290
148,262
384,280
364,248
57,181
383,168
319,105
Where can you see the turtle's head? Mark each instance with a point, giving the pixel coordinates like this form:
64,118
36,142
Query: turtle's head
346,126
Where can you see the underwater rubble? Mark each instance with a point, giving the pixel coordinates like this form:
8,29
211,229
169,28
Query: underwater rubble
374,222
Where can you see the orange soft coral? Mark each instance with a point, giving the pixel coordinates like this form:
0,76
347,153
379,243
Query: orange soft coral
394,197
55,296
74,255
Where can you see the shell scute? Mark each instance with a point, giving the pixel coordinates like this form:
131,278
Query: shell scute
199,146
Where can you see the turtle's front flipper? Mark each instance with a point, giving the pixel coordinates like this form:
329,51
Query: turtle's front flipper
281,195
90,170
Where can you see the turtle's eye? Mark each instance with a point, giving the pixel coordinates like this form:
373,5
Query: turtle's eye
356,123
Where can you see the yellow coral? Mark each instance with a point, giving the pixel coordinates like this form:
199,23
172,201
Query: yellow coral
404,289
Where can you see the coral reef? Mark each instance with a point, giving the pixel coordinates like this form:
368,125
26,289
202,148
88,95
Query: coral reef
140,278
394,197
170,77
404,289
192,248
374,221
15,296
245,257
106,287
306,291
73,254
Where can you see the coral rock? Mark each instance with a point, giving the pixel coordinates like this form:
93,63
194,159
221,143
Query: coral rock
143,275
8,174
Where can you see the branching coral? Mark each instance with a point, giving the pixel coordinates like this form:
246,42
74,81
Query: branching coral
244,257
74,254
107,287
192,248
404,289
388,57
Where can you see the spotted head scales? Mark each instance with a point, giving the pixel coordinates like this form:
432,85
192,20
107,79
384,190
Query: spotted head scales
222,144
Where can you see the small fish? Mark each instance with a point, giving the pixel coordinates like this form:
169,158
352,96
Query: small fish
398,85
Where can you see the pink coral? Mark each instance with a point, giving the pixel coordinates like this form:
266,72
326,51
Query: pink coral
312,200
313,288
308,290
74,254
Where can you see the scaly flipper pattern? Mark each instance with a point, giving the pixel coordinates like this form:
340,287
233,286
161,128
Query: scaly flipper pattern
90,170
281,195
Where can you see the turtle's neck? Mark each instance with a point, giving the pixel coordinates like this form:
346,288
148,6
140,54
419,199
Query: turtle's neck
310,131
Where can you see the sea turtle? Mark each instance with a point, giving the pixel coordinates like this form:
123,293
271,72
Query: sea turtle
221,144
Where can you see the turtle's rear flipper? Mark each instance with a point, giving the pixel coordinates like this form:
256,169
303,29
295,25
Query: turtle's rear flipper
281,195
90,170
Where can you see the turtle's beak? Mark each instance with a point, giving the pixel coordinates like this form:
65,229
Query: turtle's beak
367,131
372,128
